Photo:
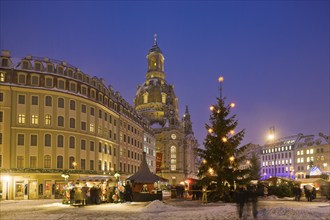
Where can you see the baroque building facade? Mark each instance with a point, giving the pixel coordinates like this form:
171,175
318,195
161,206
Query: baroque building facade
55,119
176,158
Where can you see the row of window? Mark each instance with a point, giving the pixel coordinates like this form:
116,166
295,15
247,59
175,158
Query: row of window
278,156
61,104
277,162
308,159
276,149
277,170
60,142
63,84
21,119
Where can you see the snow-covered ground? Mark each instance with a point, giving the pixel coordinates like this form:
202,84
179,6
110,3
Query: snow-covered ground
271,208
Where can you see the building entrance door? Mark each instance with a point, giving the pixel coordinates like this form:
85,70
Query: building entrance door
33,189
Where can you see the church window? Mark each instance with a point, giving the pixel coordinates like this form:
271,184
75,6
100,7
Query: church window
163,97
145,97
173,158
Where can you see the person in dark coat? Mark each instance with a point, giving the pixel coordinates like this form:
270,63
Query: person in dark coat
128,192
253,199
313,194
308,194
241,198
72,193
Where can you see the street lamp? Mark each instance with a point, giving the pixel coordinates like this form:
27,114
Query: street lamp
271,133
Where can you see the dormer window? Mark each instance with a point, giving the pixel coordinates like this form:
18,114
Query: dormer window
37,66
25,65
50,68
60,70
4,62
70,72
21,78
35,80
79,76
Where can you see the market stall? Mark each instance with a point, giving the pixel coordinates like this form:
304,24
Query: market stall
145,185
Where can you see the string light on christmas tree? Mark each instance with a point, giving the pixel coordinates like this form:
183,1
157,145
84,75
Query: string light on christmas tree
232,105
210,130
204,161
211,107
232,132
224,139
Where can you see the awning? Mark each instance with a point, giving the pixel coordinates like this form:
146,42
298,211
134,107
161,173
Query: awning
94,178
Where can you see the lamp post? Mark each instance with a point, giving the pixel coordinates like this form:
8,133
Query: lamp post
221,79
7,178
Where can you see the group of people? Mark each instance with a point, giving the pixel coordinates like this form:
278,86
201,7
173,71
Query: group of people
245,197
85,195
97,194
310,194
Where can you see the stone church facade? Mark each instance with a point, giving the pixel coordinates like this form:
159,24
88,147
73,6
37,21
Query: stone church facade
175,142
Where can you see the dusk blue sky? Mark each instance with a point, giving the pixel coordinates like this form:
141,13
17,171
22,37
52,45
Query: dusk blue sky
274,55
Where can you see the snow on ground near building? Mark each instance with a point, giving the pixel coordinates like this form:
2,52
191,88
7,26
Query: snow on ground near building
158,210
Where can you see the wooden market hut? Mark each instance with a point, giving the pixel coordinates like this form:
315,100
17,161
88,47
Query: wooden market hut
143,183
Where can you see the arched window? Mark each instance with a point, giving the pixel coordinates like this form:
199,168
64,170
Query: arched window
59,162
60,103
48,101
145,97
60,121
47,161
173,157
48,119
72,142
72,123
60,140
48,140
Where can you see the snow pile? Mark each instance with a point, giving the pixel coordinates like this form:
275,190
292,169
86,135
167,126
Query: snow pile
158,206
289,213
272,197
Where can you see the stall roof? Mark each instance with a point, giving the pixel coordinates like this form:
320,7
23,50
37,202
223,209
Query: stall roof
94,178
143,175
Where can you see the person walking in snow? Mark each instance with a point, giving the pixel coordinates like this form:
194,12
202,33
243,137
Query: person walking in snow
241,198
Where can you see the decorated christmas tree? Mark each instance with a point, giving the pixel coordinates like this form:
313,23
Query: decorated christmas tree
221,153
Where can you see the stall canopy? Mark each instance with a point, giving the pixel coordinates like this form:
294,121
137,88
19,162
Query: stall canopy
94,178
143,175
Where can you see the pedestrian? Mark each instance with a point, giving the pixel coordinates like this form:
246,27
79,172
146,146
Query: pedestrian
204,196
193,192
253,199
72,193
265,191
307,194
84,191
299,191
313,194
240,197
128,192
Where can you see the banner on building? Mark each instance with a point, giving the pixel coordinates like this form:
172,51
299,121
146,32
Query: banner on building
159,157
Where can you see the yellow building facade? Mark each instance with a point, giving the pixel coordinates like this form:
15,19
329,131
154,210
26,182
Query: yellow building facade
55,119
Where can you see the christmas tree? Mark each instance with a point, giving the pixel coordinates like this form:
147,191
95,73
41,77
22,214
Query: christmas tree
221,156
